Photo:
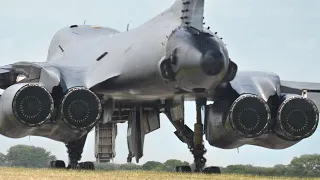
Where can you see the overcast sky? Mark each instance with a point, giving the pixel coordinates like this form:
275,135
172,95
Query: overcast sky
270,35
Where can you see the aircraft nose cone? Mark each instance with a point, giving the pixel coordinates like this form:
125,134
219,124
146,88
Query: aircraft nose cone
212,63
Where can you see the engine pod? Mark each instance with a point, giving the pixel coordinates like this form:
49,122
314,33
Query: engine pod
24,108
32,105
297,117
249,116
80,108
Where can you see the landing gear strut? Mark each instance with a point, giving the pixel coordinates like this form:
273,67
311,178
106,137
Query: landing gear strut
198,150
194,140
75,149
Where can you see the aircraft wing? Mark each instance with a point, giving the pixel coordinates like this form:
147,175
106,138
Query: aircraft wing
192,13
298,87
47,74
4,71
266,84
294,87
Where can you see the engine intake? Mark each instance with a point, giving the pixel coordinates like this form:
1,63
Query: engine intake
297,117
80,108
249,116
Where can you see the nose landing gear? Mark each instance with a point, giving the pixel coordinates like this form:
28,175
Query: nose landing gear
194,140
198,150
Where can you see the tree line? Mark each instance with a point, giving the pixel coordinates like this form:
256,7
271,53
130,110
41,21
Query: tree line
307,165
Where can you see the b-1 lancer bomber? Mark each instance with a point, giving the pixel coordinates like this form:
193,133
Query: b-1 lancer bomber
92,73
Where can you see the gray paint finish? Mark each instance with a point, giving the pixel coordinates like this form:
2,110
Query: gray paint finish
129,69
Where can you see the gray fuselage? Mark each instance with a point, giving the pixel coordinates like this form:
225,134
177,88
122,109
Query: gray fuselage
134,57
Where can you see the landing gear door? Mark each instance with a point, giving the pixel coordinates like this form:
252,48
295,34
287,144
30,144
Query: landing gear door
151,121
135,134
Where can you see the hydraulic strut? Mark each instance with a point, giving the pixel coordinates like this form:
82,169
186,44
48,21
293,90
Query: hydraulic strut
198,150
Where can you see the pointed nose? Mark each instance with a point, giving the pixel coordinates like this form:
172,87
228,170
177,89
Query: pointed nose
212,62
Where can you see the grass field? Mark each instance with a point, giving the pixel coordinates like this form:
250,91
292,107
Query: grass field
43,174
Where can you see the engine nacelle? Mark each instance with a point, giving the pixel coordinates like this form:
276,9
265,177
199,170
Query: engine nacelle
297,117
80,109
23,108
247,117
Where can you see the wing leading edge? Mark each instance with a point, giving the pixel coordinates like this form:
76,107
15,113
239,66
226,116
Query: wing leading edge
298,87
42,73
47,74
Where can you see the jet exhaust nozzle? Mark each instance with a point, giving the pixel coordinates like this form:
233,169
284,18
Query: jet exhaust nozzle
297,117
24,108
32,105
80,108
249,116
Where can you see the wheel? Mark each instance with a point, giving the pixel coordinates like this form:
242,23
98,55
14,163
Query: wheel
80,166
184,169
88,165
57,164
52,164
212,170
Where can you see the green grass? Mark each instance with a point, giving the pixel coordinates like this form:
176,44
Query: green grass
44,174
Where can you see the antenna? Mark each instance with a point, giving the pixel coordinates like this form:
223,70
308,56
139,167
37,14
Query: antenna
128,27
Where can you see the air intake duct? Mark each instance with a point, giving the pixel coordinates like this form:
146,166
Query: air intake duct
297,117
249,116
80,108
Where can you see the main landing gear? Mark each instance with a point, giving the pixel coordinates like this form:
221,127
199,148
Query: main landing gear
75,150
194,140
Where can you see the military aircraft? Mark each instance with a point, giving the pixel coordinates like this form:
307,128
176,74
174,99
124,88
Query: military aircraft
91,72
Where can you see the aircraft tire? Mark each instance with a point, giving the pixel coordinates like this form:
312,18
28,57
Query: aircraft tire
212,170
86,165
57,164
183,169
80,166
